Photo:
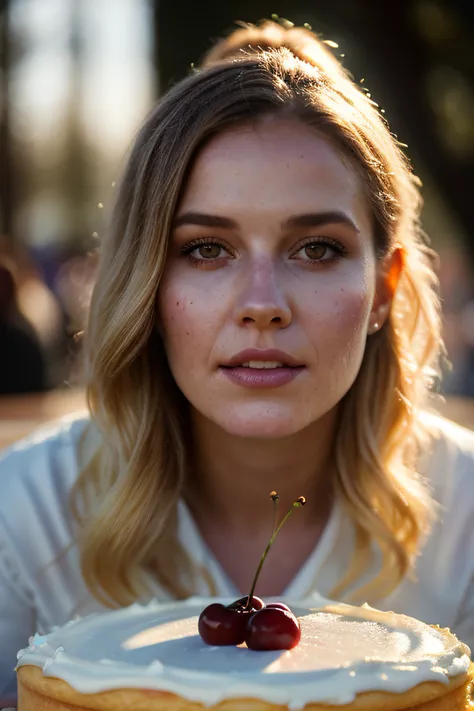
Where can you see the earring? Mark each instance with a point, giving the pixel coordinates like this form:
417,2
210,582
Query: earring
375,327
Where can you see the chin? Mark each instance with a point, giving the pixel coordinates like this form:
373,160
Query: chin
264,422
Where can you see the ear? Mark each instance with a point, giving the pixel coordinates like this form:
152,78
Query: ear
389,271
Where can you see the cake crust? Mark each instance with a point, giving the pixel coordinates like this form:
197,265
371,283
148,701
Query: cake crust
39,693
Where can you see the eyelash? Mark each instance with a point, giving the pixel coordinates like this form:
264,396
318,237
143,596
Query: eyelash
325,241
191,246
338,248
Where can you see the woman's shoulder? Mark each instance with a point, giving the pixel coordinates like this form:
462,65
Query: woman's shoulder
448,463
42,466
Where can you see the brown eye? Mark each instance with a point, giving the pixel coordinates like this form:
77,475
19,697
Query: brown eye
209,251
315,250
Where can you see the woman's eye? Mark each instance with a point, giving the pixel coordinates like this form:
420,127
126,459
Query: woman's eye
207,251
315,251
318,252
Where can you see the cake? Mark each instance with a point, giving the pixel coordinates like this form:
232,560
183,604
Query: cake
151,658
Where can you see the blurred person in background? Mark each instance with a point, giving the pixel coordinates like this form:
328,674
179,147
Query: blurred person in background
39,309
22,361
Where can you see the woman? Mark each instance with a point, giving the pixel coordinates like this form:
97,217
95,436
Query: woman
265,318
22,362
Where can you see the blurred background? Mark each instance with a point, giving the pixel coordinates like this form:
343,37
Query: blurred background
78,76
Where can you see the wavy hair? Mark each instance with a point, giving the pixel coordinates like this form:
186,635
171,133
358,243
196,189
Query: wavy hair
125,499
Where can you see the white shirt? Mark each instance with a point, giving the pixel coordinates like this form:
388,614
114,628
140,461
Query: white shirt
36,592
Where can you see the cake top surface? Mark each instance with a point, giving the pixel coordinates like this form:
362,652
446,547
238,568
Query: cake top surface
344,650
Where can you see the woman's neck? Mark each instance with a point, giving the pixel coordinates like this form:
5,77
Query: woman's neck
232,477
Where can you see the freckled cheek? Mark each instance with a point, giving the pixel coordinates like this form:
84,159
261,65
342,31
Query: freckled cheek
175,318
184,324
340,317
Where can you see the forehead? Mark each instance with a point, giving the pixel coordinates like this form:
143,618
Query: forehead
276,162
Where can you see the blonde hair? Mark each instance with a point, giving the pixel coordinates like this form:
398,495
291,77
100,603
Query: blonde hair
125,499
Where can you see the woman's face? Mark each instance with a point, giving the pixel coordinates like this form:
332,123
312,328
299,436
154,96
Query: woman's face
271,250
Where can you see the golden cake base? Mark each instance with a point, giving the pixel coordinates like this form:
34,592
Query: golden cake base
39,693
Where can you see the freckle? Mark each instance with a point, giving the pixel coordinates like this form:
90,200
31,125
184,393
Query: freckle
177,303
187,333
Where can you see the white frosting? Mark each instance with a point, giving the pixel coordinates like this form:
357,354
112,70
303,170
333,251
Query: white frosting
343,651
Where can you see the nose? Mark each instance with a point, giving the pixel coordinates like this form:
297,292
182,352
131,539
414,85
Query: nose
261,301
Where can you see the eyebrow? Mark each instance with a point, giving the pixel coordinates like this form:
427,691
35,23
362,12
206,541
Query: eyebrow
200,218
315,219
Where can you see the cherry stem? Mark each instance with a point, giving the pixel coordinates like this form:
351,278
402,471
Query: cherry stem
295,505
275,499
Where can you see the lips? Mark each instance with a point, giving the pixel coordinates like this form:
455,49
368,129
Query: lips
263,364
263,359
255,368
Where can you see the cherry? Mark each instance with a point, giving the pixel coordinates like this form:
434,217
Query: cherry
272,628
257,603
221,625
278,606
